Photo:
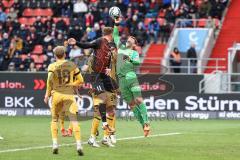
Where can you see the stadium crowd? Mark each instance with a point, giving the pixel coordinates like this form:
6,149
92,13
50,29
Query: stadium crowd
29,47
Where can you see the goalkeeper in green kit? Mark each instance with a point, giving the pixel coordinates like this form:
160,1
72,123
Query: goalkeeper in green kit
127,61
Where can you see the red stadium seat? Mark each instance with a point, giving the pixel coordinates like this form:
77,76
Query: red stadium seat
199,2
47,12
147,21
202,22
38,49
31,21
43,12
23,57
161,13
23,20
66,20
38,12
7,10
43,19
56,19
38,66
8,3
28,12
161,21
38,59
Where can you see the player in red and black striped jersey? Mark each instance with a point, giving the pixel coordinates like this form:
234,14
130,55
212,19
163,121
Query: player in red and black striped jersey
101,79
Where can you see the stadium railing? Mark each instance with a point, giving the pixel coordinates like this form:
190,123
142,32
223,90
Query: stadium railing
186,64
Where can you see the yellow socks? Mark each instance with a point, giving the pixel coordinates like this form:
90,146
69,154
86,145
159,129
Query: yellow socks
95,124
54,130
76,130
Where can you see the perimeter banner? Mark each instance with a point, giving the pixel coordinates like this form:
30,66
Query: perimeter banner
22,94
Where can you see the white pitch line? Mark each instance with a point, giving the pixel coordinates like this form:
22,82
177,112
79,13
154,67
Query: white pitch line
70,144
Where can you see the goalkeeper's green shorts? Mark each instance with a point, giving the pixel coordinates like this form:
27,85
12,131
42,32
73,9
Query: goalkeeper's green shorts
130,89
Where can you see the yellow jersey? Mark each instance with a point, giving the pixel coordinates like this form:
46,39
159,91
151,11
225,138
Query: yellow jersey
63,76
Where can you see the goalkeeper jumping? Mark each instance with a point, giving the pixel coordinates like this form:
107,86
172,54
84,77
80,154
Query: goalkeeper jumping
127,61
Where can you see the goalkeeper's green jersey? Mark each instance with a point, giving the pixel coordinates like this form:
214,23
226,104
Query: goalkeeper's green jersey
125,68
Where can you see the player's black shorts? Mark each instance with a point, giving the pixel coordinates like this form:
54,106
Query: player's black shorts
101,82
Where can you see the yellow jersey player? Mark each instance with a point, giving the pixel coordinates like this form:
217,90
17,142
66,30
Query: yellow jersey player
63,76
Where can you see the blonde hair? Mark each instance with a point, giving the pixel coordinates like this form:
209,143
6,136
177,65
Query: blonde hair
107,31
59,51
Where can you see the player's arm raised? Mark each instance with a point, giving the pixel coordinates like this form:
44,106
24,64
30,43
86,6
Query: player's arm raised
85,45
116,36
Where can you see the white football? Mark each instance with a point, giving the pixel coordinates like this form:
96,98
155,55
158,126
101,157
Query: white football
114,12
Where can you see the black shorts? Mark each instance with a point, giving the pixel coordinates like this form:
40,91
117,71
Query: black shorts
101,82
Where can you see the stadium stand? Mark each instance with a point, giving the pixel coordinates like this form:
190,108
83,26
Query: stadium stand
230,33
25,25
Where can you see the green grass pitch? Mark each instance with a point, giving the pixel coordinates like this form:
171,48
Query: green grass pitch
199,140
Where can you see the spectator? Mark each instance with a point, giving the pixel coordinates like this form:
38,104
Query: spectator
153,29
97,29
3,16
23,32
17,61
61,25
48,40
123,7
204,9
175,4
32,67
57,8
217,9
140,34
165,32
191,54
192,10
170,15
76,55
12,14
67,8
38,25
22,67
96,14
89,19
8,57
105,16
132,24
79,8
91,34
49,53
28,61
48,23
11,67
175,60
76,33
5,43
59,40
19,44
